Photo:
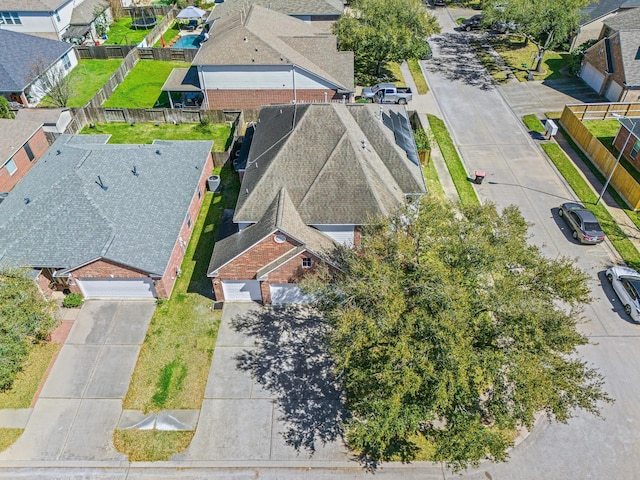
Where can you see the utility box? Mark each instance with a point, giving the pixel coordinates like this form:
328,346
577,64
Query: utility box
551,128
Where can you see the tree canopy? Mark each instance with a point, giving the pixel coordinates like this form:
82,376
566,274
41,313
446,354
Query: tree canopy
546,23
4,108
451,329
25,318
381,31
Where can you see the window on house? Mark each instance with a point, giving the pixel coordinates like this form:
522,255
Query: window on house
66,63
10,18
636,149
188,221
306,262
30,154
57,16
199,192
11,167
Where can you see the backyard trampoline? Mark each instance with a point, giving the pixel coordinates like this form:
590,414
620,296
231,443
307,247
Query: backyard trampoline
144,22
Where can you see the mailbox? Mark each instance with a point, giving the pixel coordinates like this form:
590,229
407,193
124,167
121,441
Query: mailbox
551,127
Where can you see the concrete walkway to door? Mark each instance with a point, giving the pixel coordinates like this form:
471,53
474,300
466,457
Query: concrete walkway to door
81,401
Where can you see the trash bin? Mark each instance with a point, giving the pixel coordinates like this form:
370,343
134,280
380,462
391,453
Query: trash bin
213,183
479,177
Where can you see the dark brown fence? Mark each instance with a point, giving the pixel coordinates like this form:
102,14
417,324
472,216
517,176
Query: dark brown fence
102,52
116,79
160,28
168,54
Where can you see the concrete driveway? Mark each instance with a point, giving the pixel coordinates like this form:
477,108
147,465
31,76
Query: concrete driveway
270,395
80,404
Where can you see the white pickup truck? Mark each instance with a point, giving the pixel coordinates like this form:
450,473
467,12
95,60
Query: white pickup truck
387,93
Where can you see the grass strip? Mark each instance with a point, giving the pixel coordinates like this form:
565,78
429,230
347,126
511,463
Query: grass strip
587,196
8,436
633,215
26,384
151,445
457,170
396,73
488,62
434,187
418,77
533,123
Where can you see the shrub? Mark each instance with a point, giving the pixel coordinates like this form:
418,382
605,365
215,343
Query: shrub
422,139
73,300
575,59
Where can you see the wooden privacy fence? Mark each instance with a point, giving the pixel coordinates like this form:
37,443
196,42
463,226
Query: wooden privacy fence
116,79
168,54
602,158
102,52
160,28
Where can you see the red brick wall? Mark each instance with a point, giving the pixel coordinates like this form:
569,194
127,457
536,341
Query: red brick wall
240,99
266,293
39,144
164,286
292,271
596,56
620,140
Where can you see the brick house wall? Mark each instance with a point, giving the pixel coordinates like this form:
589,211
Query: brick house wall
254,99
38,144
596,56
620,140
289,272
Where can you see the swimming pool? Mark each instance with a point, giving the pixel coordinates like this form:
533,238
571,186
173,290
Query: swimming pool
188,41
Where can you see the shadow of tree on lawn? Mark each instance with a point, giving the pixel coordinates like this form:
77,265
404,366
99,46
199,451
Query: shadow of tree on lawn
292,362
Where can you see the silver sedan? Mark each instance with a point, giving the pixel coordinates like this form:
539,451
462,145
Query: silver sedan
626,283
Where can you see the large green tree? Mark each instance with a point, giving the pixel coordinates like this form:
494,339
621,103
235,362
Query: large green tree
381,31
4,108
546,23
26,317
449,328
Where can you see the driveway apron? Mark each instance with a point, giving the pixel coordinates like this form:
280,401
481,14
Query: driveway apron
81,401
490,137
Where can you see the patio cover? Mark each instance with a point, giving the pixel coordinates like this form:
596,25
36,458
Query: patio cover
76,31
182,80
191,12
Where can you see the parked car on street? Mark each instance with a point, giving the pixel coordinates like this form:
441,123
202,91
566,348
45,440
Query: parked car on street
387,93
626,283
583,222
439,3
472,23
506,26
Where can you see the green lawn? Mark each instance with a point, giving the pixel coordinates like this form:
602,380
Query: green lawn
220,133
458,173
172,32
533,123
520,57
86,79
395,74
174,361
142,86
8,436
121,33
418,77
587,196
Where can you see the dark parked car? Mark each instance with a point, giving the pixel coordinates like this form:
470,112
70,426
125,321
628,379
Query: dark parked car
473,23
439,3
583,222
507,26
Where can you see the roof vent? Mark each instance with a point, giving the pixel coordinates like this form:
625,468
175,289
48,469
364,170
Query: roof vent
364,144
27,200
279,238
246,39
135,171
101,184
3,195
158,152
246,190
58,152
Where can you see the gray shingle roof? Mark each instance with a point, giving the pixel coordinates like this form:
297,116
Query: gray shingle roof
630,48
31,5
265,37
340,164
626,20
600,8
69,220
281,215
18,54
85,13
288,7
13,135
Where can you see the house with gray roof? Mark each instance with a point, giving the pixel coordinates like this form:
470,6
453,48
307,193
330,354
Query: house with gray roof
106,220
23,57
594,16
22,143
321,13
315,174
47,18
611,67
263,57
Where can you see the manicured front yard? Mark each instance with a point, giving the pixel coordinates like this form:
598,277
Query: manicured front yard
142,86
220,133
86,79
418,77
533,123
121,33
174,361
520,57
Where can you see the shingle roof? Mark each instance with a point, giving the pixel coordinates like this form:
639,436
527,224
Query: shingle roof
281,215
265,37
630,49
85,13
70,220
627,20
13,135
340,164
600,8
288,7
31,5
18,54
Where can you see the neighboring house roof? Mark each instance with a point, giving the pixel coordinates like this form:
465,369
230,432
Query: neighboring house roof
13,135
18,54
265,37
628,20
32,5
288,7
281,216
340,163
69,220
630,50
600,8
85,13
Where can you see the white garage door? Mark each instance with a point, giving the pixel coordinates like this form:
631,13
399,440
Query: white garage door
242,291
592,76
614,90
117,287
287,293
